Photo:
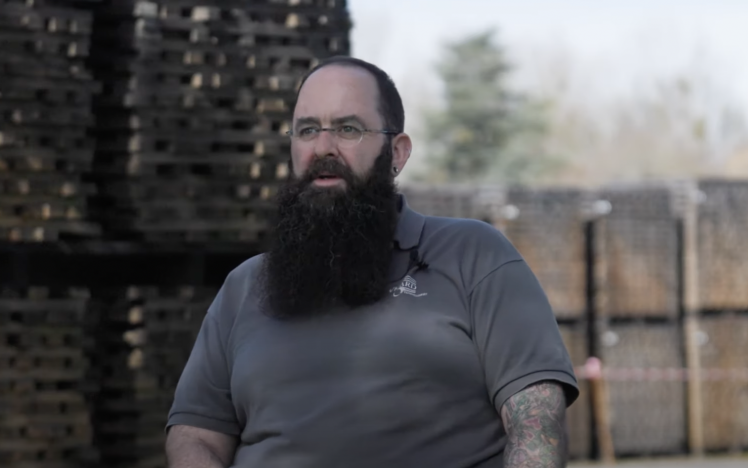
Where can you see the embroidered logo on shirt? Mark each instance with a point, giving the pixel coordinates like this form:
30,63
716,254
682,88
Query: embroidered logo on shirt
408,286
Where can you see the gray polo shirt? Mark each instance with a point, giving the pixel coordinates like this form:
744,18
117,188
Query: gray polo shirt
416,380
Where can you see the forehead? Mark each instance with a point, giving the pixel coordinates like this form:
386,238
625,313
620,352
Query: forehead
336,91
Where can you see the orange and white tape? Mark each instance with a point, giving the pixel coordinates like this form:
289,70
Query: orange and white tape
593,370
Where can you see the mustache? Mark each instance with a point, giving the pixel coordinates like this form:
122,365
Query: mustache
328,166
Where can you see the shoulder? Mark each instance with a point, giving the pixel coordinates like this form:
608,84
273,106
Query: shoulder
246,271
472,233
475,246
240,285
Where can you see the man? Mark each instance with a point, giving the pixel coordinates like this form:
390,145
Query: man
371,335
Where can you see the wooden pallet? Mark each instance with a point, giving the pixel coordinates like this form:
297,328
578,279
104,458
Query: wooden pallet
50,19
176,120
164,310
209,165
70,138
37,115
191,188
49,403
270,103
236,216
43,336
63,429
37,182
185,143
42,454
45,364
58,161
40,312
43,44
47,231
48,90
45,67
42,208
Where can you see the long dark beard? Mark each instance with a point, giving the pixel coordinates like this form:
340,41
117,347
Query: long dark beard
331,246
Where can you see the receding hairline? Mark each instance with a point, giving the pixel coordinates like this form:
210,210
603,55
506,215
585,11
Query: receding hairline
350,65
344,65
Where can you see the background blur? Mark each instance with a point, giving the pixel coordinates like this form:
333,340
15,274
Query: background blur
612,91
141,143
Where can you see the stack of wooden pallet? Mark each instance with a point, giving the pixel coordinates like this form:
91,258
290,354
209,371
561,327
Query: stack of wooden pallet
45,380
144,341
45,115
197,100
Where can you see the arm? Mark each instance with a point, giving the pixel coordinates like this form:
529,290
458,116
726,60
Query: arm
535,423
203,426
192,447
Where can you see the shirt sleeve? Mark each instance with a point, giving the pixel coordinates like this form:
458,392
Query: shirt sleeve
203,394
517,334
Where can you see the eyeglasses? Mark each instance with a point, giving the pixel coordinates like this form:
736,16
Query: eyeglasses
346,135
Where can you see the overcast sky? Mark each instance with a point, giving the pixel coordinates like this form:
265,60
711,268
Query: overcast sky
613,45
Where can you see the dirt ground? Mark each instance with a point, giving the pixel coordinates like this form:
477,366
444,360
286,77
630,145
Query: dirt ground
672,463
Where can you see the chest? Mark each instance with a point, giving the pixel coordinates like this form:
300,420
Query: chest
417,339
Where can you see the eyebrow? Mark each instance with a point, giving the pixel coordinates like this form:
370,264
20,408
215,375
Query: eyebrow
336,121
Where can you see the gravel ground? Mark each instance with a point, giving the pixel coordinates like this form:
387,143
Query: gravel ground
672,463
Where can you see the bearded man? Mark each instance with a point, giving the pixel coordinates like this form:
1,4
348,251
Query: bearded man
371,335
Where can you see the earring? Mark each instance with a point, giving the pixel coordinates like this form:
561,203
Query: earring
394,169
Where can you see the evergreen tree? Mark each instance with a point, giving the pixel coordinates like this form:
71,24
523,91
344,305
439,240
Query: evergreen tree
484,131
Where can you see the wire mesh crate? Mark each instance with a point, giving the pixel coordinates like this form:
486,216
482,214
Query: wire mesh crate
725,399
548,229
723,249
648,417
638,245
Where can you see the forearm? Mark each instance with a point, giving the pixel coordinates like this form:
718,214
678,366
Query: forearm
191,447
185,454
535,423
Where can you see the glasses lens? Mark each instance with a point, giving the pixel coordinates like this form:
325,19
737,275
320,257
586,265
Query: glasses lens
349,133
307,134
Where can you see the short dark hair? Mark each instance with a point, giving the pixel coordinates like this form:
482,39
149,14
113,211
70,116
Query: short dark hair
390,103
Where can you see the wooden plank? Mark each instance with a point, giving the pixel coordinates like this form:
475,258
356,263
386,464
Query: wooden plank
579,415
689,196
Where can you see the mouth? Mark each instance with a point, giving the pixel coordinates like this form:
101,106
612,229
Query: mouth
327,179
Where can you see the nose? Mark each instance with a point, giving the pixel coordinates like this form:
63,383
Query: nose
325,145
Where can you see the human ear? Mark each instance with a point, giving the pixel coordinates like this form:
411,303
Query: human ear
402,146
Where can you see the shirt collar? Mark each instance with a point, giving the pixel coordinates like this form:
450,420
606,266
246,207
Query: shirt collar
409,226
